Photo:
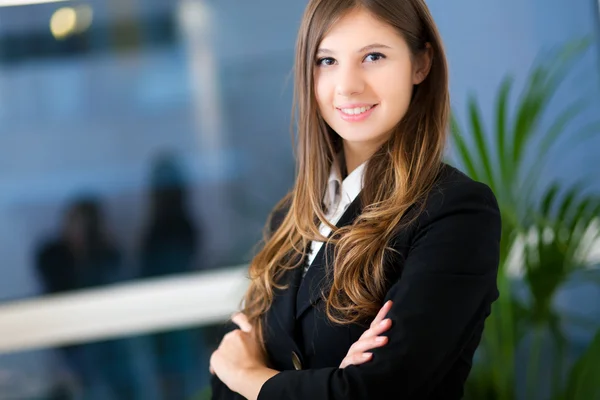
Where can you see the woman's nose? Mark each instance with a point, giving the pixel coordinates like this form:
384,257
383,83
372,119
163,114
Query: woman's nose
349,82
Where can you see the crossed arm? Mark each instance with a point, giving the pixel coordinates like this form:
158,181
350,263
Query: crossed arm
446,289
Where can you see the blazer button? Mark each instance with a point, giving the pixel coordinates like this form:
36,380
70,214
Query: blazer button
296,361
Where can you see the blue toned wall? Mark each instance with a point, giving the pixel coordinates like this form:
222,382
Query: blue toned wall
485,41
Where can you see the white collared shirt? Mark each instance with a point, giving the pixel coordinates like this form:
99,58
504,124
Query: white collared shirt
337,198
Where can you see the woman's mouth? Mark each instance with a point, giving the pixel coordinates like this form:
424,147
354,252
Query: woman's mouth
356,113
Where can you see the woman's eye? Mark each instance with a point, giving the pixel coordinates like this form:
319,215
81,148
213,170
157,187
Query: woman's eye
373,57
325,61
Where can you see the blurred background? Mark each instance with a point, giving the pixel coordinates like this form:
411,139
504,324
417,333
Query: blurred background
144,142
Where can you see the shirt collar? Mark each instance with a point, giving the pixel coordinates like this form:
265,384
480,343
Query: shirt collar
350,187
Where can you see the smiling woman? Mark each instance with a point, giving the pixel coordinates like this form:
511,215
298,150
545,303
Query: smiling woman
363,92
379,268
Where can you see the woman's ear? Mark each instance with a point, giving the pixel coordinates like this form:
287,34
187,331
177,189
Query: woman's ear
422,63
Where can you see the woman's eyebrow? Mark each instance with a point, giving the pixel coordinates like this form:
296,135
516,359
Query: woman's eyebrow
361,50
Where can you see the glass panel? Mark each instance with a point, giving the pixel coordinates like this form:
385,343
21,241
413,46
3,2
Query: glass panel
139,138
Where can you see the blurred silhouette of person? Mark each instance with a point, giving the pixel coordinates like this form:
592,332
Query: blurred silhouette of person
169,242
83,256
169,246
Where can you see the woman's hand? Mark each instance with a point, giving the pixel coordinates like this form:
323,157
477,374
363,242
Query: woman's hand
239,361
370,339
242,322
238,348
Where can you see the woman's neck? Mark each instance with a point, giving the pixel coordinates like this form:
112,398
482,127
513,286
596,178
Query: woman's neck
355,154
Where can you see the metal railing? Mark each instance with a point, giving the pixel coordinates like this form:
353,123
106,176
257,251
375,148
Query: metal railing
123,309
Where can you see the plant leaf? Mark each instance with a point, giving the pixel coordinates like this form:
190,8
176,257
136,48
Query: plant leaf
463,150
558,126
547,200
480,142
582,382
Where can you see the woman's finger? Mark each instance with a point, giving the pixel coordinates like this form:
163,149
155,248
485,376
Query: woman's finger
356,354
370,339
379,322
365,345
382,313
377,329
356,359
210,362
242,321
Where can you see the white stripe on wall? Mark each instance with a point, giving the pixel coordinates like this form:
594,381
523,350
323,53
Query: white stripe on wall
121,310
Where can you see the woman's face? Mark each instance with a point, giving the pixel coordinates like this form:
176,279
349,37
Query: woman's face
364,77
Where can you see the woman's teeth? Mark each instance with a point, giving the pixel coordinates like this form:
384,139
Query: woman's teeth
355,111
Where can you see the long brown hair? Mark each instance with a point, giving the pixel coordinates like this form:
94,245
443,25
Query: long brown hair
398,176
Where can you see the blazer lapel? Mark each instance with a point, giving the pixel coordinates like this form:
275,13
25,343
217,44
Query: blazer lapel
318,279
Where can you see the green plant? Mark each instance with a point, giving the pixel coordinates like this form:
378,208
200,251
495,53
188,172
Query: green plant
204,394
547,236
582,382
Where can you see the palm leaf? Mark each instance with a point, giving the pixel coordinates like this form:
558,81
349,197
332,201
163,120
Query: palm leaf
559,125
560,219
463,149
548,200
567,204
501,122
479,135
582,382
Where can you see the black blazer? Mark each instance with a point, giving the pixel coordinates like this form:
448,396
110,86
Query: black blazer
442,283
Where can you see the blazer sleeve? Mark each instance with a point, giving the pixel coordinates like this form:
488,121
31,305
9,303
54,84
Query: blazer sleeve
447,286
220,391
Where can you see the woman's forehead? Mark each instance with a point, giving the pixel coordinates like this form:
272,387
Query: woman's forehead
356,29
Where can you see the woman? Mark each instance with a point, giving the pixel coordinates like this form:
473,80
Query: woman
407,231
